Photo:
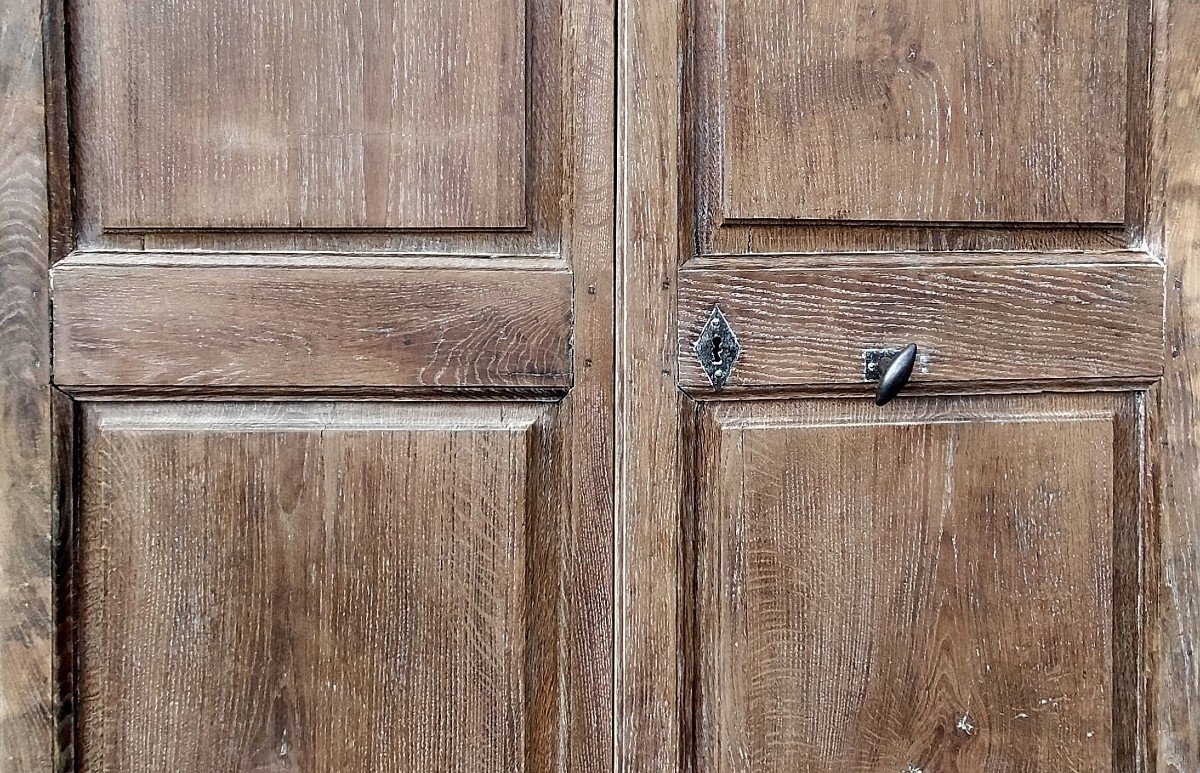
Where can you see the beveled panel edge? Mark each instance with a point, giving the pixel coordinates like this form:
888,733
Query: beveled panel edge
316,416
305,259
918,259
1027,408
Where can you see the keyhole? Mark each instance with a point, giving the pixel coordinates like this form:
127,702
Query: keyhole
716,345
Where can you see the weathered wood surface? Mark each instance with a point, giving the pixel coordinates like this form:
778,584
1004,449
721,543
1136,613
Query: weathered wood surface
936,111
26,616
1176,676
427,326
648,688
585,418
237,114
810,326
307,587
931,585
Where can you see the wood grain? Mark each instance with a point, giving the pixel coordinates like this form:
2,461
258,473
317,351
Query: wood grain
26,494
810,326
548,110
585,417
302,326
249,114
1176,235
931,585
317,587
945,111
649,678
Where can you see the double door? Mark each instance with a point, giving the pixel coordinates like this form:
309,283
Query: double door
502,385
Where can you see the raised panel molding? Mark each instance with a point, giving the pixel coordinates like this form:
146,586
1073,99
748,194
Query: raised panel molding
326,586
312,321
944,584
977,319
247,114
973,112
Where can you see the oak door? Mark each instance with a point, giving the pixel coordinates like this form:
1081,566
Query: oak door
958,577
489,385
332,312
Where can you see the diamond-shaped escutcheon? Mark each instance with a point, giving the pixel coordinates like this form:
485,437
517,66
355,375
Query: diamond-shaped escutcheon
717,348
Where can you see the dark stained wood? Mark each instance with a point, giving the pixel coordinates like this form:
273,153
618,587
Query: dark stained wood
26,470
1175,680
58,130
458,324
64,417
318,587
249,114
810,326
931,585
948,111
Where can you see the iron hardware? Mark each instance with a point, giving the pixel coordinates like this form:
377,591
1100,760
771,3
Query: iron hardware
717,348
892,368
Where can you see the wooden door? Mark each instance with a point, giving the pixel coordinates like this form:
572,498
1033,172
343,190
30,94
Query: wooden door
485,385
332,393
994,571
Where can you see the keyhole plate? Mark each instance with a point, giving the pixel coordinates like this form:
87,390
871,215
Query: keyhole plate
717,348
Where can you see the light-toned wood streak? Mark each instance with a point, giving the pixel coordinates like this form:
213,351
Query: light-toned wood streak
452,327
26,616
585,417
308,587
924,587
1176,675
810,326
237,114
648,404
920,111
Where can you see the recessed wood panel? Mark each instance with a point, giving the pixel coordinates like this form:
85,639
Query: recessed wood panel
280,114
931,586
974,318
268,321
309,586
974,111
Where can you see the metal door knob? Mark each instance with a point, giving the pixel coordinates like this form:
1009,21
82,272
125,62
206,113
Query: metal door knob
894,374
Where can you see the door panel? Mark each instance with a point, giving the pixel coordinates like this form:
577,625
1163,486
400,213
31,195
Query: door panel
938,111
249,114
975,318
264,321
334,380
881,126
353,587
934,587
409,126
